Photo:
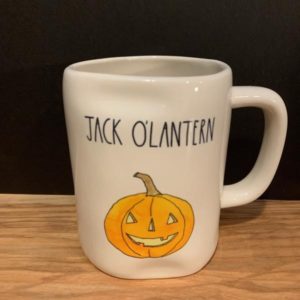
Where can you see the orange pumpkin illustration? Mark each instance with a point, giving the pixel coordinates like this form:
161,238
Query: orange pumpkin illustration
149,224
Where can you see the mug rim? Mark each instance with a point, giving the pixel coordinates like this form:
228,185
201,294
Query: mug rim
78,67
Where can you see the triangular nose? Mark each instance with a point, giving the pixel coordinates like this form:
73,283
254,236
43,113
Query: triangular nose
151,226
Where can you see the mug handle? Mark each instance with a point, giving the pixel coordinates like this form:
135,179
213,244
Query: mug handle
260,177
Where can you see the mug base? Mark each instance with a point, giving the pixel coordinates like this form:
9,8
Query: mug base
161,273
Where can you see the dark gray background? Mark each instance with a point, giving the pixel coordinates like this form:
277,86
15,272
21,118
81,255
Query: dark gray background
259,39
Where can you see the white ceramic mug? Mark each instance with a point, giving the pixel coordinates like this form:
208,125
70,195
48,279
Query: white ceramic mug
148,138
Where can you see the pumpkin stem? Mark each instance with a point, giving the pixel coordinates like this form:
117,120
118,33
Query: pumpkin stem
149,184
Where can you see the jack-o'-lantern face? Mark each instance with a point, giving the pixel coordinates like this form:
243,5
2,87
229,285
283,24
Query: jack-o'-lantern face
149,224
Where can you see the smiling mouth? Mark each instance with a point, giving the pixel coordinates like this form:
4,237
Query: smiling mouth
152,242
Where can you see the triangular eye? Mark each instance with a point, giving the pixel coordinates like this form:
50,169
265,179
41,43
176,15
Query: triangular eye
131,219
171,219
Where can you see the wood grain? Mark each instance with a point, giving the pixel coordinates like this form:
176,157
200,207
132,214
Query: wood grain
258,256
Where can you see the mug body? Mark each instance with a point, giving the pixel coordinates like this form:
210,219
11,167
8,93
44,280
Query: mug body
148,138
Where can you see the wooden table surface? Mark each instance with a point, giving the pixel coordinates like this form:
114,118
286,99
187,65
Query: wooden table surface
258,256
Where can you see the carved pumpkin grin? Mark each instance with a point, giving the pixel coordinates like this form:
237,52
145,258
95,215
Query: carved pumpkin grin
149,224
152,242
